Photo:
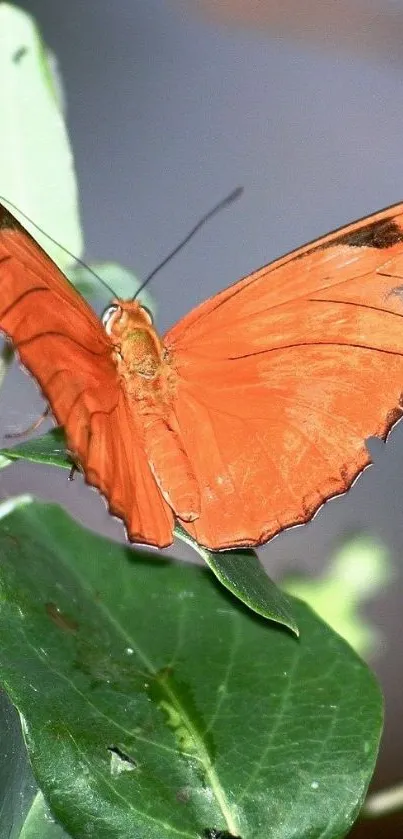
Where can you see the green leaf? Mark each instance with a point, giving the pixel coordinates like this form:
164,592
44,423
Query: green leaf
4,462
241,572
122,282
358,570
155,706
39,823
17,785
49,449
36,166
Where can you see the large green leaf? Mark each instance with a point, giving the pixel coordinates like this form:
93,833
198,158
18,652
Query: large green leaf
17,785
36,165
49,449
154,706
239,571
39,823
358,570
242,573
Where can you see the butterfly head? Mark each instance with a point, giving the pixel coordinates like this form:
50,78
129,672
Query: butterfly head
122,315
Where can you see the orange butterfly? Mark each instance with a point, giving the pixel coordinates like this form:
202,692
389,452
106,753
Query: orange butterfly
250,412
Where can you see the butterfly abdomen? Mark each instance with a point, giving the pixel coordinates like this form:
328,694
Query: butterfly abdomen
171,467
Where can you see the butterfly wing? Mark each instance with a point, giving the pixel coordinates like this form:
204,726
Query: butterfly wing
62,343
282,377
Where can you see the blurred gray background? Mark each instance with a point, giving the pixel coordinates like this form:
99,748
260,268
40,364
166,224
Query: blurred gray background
173,104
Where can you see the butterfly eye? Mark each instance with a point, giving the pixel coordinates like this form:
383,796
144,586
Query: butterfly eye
148,313
107,316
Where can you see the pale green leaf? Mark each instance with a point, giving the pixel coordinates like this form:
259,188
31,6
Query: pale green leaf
36,164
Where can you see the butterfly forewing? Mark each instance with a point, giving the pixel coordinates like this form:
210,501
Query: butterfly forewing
63,344
283,376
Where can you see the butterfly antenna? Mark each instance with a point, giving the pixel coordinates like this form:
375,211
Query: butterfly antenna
62,247
233,196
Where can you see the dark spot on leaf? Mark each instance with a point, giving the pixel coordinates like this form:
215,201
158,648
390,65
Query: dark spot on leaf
61,620
12,539
380,234
19,54
212,833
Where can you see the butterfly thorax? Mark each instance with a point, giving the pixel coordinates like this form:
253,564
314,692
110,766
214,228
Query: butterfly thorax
141,359
149,382
138,348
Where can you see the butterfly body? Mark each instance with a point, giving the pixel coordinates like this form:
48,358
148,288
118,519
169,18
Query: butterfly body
250,412
149,381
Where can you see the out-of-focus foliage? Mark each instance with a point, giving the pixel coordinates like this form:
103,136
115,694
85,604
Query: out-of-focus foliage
359,569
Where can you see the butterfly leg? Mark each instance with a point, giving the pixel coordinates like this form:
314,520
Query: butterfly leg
75,466
31,428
